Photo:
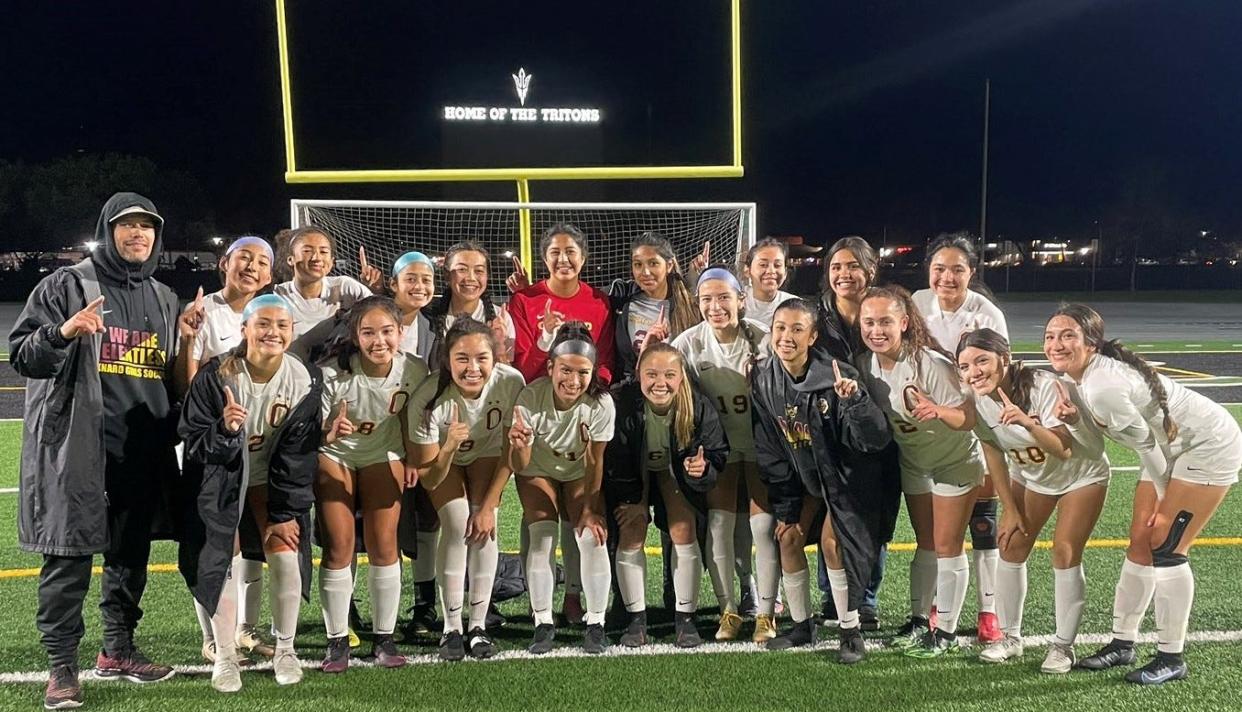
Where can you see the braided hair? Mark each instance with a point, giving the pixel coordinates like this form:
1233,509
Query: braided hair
1021,378
1092,325
462,327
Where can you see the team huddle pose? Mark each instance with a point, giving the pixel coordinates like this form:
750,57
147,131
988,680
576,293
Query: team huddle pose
678,399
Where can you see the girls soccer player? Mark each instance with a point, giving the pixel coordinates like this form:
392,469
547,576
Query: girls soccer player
557,435
1042,457
366,391
456,425
950,308
667,452
941,463
466,265
719,352
818,433
251,427
413,284
314,294
1190,451
765,268
654,306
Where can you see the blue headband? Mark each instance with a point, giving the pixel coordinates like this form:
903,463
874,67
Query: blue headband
722,274
252,241
263,302
410,258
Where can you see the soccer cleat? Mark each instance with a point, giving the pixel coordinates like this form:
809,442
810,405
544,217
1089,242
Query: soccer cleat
248,640
384,651
545,633
730,626
422,621
1060,659
686,630
1165,667
336,658
802,633
479,644
287,667
131,665
635,635
868,618
989,629
354,640
1117,652
226,674
452,647
572,610
494,619
853,649
910,634
748,606
1005,649
63,692
594,641
765,628
935,643
209,651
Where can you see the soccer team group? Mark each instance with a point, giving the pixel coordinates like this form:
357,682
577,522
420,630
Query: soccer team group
388,413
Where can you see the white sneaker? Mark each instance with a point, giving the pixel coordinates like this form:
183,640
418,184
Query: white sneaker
226,674
209,650
1060,659
248,639
287,667
1002,650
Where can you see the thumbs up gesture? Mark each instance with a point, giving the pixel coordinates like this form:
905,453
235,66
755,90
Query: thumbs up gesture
925,408
1065,410
658,331
696,465
457,431
84,323
369,274
233,415
1012,414
341,426
191,320
521,435
845,387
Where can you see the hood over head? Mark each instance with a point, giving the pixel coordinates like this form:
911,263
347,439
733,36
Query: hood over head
108,262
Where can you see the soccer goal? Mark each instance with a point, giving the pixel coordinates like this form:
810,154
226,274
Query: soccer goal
389,228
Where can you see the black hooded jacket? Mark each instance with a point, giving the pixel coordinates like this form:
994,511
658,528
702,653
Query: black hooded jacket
851,446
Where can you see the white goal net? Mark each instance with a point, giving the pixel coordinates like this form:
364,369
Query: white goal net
389,228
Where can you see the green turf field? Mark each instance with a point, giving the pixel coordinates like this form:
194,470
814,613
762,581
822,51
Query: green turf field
734,676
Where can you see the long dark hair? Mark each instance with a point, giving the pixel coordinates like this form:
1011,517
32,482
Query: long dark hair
1092,325
684,313
862,250
961,241
579,331
1021,378
743,265
343,349
462,327
916,338
437,312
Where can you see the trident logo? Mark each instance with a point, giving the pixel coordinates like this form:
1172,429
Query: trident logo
521,82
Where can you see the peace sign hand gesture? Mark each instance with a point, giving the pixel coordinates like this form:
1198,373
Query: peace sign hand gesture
233,415
518,280
84,323
846,388
1065,410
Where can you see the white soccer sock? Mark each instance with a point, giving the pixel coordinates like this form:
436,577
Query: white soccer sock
922,583
1175,592
687,576
596,576
384,583
571,560
985,561
224,623
632,578
720,524
539,578
743,544
286,596
1011,596
249,591
952,578
481,561
336,587
767,561
425,564
1135,587
1070,597
840,584
451,561
204,618
798,594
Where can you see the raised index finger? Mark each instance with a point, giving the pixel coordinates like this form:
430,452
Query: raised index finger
362,257
836,370
198,299
1062,391
707,250
95,304
1004,398
228,396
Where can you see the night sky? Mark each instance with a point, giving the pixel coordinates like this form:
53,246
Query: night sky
859,116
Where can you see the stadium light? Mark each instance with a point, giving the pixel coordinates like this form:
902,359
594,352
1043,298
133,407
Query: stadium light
91,245
217,241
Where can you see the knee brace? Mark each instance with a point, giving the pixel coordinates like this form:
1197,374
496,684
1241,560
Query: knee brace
983,521
1165,555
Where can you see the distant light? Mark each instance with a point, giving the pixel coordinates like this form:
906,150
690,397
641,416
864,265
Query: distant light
508,253
217,241
990,246
1204,233
1084,250
886,251
92,244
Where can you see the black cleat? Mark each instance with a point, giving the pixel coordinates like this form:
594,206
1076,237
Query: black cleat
1165,667
422,621
494,619
868,618
687,633
594,642
1116,653
635,635
853,649
481,646
545,633
452,648
802,633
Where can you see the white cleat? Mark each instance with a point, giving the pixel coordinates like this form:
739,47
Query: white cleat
1060,659
226,674
1006,648
287,667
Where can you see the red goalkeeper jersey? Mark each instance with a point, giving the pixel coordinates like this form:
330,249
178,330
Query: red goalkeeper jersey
589,305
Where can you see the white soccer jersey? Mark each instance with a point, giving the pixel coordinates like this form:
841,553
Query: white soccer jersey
1208,446
976,312
220,331
267,408
339,292
486,415
926,447
409,338
762,311
1027,461
373,406
562,436
722,372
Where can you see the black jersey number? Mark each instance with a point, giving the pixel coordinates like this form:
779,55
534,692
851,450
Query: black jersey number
493,418
366,427
741,404
1032,453
906,426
